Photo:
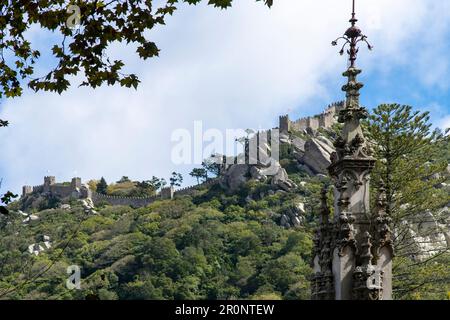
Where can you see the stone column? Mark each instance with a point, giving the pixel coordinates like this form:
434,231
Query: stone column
354,250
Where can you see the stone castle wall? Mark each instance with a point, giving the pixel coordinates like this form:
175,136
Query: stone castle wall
30,189
61,190
135,202
324,120
73,190
189,191
76,190
50,186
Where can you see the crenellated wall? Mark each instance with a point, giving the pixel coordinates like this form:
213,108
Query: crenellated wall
38,188
123,201
192,189
324,120
50,186
76,190
136,202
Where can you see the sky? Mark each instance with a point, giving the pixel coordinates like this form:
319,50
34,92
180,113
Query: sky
230,69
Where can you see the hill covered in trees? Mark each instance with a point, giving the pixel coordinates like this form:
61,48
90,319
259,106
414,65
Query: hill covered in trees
209,246
252,242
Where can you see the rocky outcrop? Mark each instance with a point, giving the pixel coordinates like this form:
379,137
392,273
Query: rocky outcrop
88,206
282,181
311,149
426,235
293,216
41,246
257,174
235,176
238,174
28,217
317,154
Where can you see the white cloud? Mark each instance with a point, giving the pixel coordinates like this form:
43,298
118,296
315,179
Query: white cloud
445,123
232,69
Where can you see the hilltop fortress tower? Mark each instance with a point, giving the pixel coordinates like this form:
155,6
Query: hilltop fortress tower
74,189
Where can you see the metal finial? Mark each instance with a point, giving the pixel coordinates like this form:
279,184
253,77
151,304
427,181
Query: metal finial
353,10
352,37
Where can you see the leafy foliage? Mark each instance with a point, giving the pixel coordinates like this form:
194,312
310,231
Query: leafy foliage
198,173
102,186
410,164
218,248
176,179
216,245
86,30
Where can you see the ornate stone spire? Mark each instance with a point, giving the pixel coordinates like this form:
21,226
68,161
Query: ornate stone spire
353,112
351,251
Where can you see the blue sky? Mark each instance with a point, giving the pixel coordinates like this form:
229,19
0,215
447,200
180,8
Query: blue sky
239,68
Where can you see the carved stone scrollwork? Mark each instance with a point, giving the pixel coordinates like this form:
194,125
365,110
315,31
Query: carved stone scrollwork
367,279
346,231
343,203
366,245
324,210
352,113
382,223
328,281
339,144
367,283
322,283
345,180
357,148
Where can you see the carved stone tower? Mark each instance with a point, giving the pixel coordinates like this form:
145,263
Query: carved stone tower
352,250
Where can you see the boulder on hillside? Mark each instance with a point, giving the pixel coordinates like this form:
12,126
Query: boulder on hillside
235,176
284,138
299,144
88,206
293,216
238,174
323,140
257,174
65,206
426,234
317,155
281,179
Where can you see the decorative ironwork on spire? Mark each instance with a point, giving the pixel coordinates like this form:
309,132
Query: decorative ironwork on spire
352,37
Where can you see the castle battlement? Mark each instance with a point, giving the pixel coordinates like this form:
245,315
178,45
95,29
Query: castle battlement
50,186
324,120
78,191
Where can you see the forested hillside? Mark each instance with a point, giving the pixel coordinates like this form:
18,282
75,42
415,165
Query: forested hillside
254,242
209,246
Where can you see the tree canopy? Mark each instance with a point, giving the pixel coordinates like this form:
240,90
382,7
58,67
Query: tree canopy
411,165
85,29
